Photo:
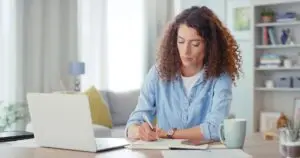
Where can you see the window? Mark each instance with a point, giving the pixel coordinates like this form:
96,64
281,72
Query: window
126,48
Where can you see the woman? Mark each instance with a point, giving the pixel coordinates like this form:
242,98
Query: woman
188,90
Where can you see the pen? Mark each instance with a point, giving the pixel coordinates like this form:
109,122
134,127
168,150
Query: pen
147,120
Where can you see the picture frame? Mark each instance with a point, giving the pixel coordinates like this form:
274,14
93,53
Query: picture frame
296,110
239,18
268,121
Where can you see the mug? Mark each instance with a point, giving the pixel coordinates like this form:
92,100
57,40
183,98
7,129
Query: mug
232,133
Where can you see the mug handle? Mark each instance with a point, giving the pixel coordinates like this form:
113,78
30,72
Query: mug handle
221,133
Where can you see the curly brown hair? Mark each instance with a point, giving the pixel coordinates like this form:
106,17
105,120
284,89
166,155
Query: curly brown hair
222,54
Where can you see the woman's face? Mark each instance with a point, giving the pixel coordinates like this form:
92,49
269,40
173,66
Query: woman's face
191,46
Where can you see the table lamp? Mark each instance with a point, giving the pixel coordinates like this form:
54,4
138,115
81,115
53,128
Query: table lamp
76,69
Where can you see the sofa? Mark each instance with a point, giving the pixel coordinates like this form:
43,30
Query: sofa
120,105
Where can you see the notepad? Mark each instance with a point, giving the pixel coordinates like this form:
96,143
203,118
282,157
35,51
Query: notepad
228,153
166,144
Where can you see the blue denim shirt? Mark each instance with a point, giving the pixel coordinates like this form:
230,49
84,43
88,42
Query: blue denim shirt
206,107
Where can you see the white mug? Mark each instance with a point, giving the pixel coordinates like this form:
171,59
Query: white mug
232,133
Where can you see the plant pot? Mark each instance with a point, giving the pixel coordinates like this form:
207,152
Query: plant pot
267,19
19,125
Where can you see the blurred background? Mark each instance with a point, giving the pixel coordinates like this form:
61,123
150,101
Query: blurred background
71,45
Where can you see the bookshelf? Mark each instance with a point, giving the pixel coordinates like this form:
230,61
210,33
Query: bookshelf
277,46
278,89
290,23
296,68
279,97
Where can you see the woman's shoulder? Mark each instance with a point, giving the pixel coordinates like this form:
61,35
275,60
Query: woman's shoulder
224,80
153,73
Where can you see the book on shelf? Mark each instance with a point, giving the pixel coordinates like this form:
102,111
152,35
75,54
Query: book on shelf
269,36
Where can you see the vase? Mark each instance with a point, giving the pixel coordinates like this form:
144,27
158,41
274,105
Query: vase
267,19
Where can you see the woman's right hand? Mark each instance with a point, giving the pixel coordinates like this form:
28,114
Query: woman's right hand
146,133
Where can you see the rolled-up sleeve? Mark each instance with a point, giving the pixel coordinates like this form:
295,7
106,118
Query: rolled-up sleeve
146,101
219,110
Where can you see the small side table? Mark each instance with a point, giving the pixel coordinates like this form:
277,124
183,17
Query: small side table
15,135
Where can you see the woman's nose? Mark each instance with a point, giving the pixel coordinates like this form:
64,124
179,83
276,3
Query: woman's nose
187,50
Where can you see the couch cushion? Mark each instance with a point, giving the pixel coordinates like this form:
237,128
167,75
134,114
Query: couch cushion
101,131
99,110
121,105
118,131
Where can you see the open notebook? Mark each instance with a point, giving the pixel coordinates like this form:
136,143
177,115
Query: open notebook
166,144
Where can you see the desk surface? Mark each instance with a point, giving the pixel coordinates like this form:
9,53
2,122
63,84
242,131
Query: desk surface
254,145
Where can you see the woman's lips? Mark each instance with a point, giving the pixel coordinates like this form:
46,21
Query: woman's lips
188,59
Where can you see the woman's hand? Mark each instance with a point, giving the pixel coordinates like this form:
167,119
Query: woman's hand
146,133
161,133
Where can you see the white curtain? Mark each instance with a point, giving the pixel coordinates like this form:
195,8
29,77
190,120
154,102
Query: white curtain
49,44
117,40
38,38
8,51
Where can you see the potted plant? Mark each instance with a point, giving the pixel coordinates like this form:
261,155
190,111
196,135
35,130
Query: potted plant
289,139
13,116
267,15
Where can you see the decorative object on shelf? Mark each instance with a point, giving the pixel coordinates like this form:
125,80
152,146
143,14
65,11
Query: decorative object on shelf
286,37
282,121
13,116
267,15
239,18
270,60
287,63
296,81
283,81
76,69
298,59
269,84
286,17
296,116
268,121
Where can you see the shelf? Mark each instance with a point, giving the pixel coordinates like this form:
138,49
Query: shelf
277,46
276,68
278,89
278,24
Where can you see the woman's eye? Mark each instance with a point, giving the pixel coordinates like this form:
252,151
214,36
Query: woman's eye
196,44
180,41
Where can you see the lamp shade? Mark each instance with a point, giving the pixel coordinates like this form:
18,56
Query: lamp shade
76,68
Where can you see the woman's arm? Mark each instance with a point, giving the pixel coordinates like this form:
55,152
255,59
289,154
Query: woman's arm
145,105
209,129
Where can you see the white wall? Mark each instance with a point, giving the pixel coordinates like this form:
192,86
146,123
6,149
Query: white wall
219,9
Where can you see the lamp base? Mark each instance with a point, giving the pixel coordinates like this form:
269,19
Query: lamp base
77,85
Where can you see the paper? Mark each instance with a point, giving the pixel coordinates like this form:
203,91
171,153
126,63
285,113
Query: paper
164,144
28,143
224,153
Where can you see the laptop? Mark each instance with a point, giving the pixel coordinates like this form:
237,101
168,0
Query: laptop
64,121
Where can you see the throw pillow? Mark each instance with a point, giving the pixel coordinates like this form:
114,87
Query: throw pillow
99,110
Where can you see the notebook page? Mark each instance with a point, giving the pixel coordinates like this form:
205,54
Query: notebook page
163,144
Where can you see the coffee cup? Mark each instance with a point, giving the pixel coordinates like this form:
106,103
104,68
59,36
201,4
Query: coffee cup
232,133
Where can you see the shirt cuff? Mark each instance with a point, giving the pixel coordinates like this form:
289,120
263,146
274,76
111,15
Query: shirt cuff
205,131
